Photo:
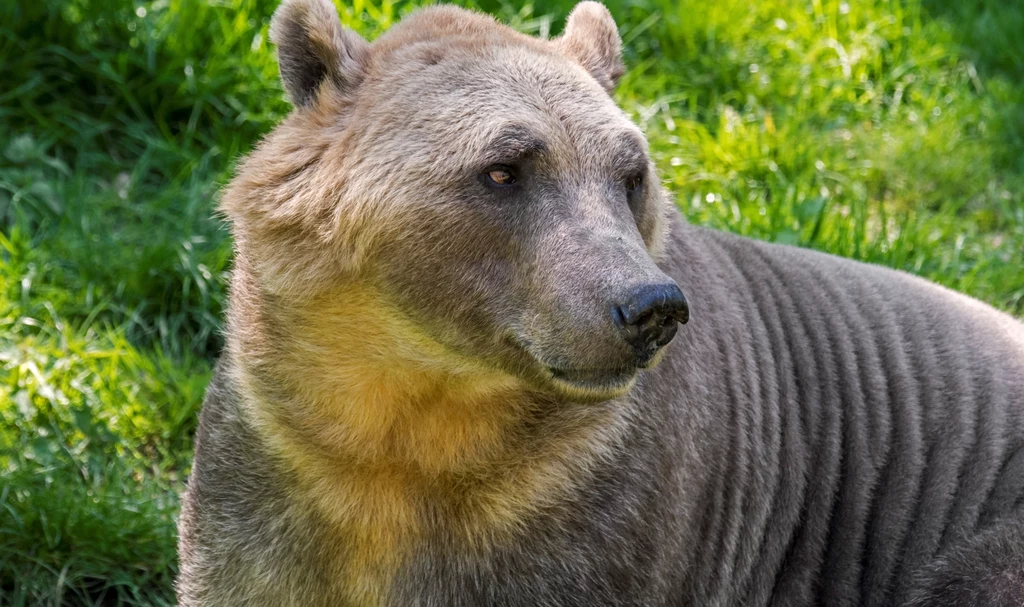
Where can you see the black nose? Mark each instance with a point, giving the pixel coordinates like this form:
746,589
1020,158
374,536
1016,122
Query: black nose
649,315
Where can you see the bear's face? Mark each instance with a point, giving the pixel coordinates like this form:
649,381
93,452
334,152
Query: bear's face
483,183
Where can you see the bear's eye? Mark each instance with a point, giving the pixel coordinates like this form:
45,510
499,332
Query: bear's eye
634,182
500,175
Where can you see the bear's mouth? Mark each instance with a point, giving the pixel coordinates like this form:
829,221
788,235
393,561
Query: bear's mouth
594,383
583,384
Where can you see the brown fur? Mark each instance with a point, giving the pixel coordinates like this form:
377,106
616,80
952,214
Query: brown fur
380,415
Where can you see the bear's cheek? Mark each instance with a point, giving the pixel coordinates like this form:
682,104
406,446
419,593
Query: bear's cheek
461,275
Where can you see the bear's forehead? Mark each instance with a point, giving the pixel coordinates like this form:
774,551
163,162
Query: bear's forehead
449,79
507,82
469,57
449,25
526,106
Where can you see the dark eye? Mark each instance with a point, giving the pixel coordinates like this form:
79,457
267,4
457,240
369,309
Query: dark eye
500,175
634,182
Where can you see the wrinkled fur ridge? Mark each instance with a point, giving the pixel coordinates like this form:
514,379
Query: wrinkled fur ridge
822,432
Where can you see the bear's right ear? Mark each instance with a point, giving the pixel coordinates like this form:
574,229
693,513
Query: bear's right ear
592,39
314,50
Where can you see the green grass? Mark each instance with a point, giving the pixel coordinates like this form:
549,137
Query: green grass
885,130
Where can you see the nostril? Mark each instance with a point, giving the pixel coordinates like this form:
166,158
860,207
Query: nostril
666,332
650,314
648,318
639,309
652,301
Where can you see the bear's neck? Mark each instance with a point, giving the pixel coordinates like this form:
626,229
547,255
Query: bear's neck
381,438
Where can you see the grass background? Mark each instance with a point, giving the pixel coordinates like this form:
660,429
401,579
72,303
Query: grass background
890,131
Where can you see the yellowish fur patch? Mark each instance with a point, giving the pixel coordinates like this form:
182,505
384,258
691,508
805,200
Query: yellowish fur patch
378,423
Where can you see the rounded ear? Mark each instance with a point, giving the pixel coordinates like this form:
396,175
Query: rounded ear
313,49
591,38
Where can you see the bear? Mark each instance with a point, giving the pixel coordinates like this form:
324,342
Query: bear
474,356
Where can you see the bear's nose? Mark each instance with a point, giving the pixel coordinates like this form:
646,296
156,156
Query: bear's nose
647,319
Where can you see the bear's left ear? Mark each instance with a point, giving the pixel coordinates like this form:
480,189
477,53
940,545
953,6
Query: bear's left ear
591,38
314,50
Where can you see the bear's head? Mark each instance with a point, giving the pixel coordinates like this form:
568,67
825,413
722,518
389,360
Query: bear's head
460,197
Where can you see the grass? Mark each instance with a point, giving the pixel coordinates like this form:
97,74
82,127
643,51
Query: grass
890,131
